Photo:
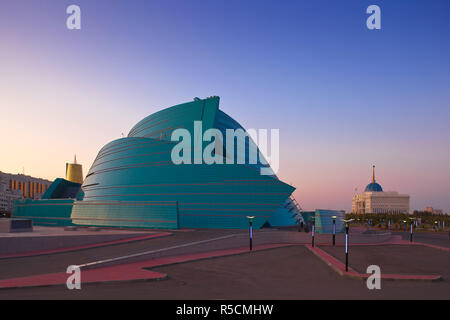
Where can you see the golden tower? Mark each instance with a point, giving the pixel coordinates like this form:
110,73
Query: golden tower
74,171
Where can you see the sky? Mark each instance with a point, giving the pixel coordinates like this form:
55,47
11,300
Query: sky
344,97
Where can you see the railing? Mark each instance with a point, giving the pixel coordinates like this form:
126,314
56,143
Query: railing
297,215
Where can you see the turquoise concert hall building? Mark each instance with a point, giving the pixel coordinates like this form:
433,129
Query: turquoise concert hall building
134,183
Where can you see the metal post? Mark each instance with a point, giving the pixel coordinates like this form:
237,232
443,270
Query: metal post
346,247
250,221
251,235
334,231
411,233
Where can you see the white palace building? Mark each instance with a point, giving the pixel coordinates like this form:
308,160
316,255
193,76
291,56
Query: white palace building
375,200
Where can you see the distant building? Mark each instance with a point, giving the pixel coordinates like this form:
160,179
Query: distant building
375,200
14,187
324,220
432,210
54,207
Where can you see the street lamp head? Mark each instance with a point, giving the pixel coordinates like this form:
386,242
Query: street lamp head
250,217
347,222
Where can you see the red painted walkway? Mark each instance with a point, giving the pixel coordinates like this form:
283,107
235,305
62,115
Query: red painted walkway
82,247
125,272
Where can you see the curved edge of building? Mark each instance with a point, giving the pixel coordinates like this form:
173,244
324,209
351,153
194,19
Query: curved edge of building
133,182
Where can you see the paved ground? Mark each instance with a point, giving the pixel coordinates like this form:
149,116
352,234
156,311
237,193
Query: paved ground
126,271
284,273
27,266
396,259
46,238
436,238
39,231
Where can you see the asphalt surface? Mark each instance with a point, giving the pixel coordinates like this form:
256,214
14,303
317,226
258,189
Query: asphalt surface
27,266
283,273
396,259
436,238
58,262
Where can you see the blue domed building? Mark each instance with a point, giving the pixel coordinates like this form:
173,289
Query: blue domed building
375,200
373,186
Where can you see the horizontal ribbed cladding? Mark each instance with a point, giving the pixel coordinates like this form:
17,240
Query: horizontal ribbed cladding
128,214
130,173
139,152
161,124
208,196
49,212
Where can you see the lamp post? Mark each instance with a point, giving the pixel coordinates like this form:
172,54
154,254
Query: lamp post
334,230
346,243
411,230
313,230
250,220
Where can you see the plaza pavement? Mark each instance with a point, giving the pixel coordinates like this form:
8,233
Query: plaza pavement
130,261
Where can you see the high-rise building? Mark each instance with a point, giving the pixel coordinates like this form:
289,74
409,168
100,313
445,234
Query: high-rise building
14,187
375,200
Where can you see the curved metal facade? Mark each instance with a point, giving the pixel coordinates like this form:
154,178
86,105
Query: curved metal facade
134,183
